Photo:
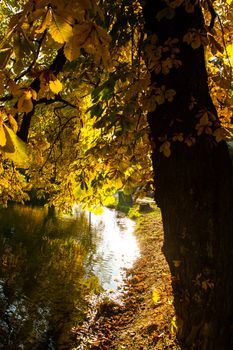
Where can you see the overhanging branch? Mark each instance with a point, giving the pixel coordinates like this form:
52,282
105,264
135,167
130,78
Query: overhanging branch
56,67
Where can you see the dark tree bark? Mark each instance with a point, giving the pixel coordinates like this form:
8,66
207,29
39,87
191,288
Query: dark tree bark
194,190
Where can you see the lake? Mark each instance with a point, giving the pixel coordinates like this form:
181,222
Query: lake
50,265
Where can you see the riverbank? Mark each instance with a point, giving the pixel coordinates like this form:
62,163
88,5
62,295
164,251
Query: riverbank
145,319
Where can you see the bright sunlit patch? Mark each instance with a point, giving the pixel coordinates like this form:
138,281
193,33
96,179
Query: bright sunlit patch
117,248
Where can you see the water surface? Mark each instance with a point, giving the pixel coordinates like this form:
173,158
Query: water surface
48,266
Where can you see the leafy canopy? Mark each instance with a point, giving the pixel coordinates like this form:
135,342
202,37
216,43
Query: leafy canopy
75,86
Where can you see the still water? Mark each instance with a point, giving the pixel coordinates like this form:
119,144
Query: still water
48,267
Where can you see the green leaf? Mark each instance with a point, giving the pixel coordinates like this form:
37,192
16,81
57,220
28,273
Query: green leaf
96,110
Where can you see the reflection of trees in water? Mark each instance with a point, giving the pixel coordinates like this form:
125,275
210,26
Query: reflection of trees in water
42,275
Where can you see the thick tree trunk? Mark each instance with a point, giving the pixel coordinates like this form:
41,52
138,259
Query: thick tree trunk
194,192
194,189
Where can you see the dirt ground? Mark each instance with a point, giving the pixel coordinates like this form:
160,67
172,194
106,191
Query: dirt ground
145,319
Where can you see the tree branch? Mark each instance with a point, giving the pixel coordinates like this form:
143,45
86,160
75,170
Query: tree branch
56,67
34,60
58,98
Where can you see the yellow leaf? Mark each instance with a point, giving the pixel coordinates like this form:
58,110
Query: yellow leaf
229,50
204,121
165,148
188,37
106,57
193,38
208,130
84,4
60,29
118,183
219,134
190,141
178,137
200,129
103,35
196,43
204,124
46,22
169,94
156,295
174,326
207,284
2,136
13,87
81,33
96,210
27,94
15,149
25,103
72,50
25,26
13,123
34,94
44,81
55,86
167,152
8,146
160,98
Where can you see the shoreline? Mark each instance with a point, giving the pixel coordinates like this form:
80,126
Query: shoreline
145,318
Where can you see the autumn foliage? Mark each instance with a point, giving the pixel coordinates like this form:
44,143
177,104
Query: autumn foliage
75,87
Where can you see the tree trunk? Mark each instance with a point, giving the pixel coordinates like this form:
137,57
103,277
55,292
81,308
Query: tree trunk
194,186
194,192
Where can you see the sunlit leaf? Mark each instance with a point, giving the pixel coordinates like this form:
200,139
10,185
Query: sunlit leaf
60,29
34,94
15,149
13,123
25,103
72,50
55,86
174,327
46,22
156,295
2,136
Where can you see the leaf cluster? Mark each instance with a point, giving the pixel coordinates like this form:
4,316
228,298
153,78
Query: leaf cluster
75,85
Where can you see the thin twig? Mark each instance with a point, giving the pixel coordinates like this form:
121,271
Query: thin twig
54,142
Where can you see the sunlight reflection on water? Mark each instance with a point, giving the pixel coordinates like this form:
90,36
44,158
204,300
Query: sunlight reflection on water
117,247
